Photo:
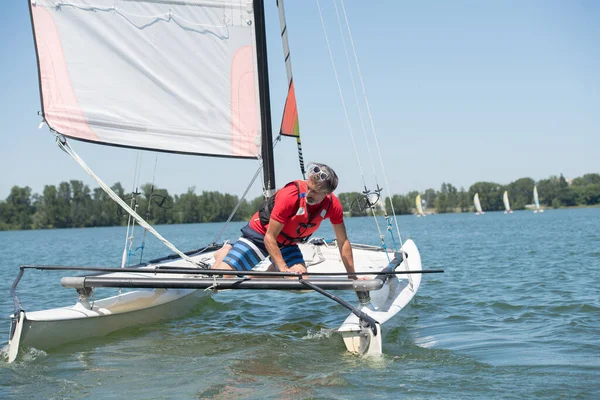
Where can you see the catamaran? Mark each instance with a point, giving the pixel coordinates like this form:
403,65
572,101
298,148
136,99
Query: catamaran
187,77
507,209
536,201
478,210
419,206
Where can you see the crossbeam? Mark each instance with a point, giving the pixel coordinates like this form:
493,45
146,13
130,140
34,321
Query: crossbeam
81,282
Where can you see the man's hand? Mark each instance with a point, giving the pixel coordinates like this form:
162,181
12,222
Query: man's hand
299,269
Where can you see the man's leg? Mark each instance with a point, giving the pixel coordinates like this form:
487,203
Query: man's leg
219,255
242,256
293,259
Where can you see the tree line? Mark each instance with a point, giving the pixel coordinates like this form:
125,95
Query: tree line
73,204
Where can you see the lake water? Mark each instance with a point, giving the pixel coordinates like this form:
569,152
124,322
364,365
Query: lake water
516,315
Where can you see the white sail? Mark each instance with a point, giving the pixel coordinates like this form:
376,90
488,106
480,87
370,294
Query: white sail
506,202
536,200
477,203
175,76
419,205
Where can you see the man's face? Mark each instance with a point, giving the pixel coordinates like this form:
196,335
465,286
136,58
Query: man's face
314,196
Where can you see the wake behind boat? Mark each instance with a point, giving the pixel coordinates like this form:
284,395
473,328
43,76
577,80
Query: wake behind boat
186,77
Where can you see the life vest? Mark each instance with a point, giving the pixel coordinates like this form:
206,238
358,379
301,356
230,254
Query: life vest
300,227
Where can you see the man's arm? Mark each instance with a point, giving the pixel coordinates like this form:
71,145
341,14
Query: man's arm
345,248
273,231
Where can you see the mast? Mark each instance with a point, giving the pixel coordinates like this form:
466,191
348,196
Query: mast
265,102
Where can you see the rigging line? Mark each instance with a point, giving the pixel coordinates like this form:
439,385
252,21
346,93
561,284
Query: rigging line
362,121
133,186
374,131
143,245
360,114
370,115
130,227
64,145
134,200
341,94
237,206
139,171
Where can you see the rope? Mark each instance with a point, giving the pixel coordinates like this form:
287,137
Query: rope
130,221
362,121
143,245
256,175
360,114
62,143
368,112
341,94
374,131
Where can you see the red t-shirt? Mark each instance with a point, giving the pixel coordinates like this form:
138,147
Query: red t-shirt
285,208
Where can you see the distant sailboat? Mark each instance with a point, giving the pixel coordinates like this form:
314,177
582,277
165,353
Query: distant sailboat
536,200
507,209
419,206
477,204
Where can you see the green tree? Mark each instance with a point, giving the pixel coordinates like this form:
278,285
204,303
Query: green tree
429,196
185,209
402,205
19,208
587,179
81,204
589,194
464,200
447,200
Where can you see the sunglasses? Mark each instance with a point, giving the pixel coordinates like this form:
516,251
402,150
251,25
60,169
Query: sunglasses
315,170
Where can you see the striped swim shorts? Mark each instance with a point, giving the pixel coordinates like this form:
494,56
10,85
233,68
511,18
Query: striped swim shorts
250,250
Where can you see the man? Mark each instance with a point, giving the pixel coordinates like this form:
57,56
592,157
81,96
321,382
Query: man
286,219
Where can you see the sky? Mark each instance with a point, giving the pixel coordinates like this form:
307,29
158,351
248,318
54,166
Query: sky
459,92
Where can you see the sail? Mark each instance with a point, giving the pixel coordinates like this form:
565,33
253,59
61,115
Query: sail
505,200
477,203
290,125
419,205
176,76
536,200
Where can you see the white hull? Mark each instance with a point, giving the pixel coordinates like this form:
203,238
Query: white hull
51,328
384,304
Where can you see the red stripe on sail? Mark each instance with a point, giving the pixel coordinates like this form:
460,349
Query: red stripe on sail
61,108
289,125
245,124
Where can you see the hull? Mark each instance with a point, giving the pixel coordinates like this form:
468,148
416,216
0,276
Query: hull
47,329
51,328
384,304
